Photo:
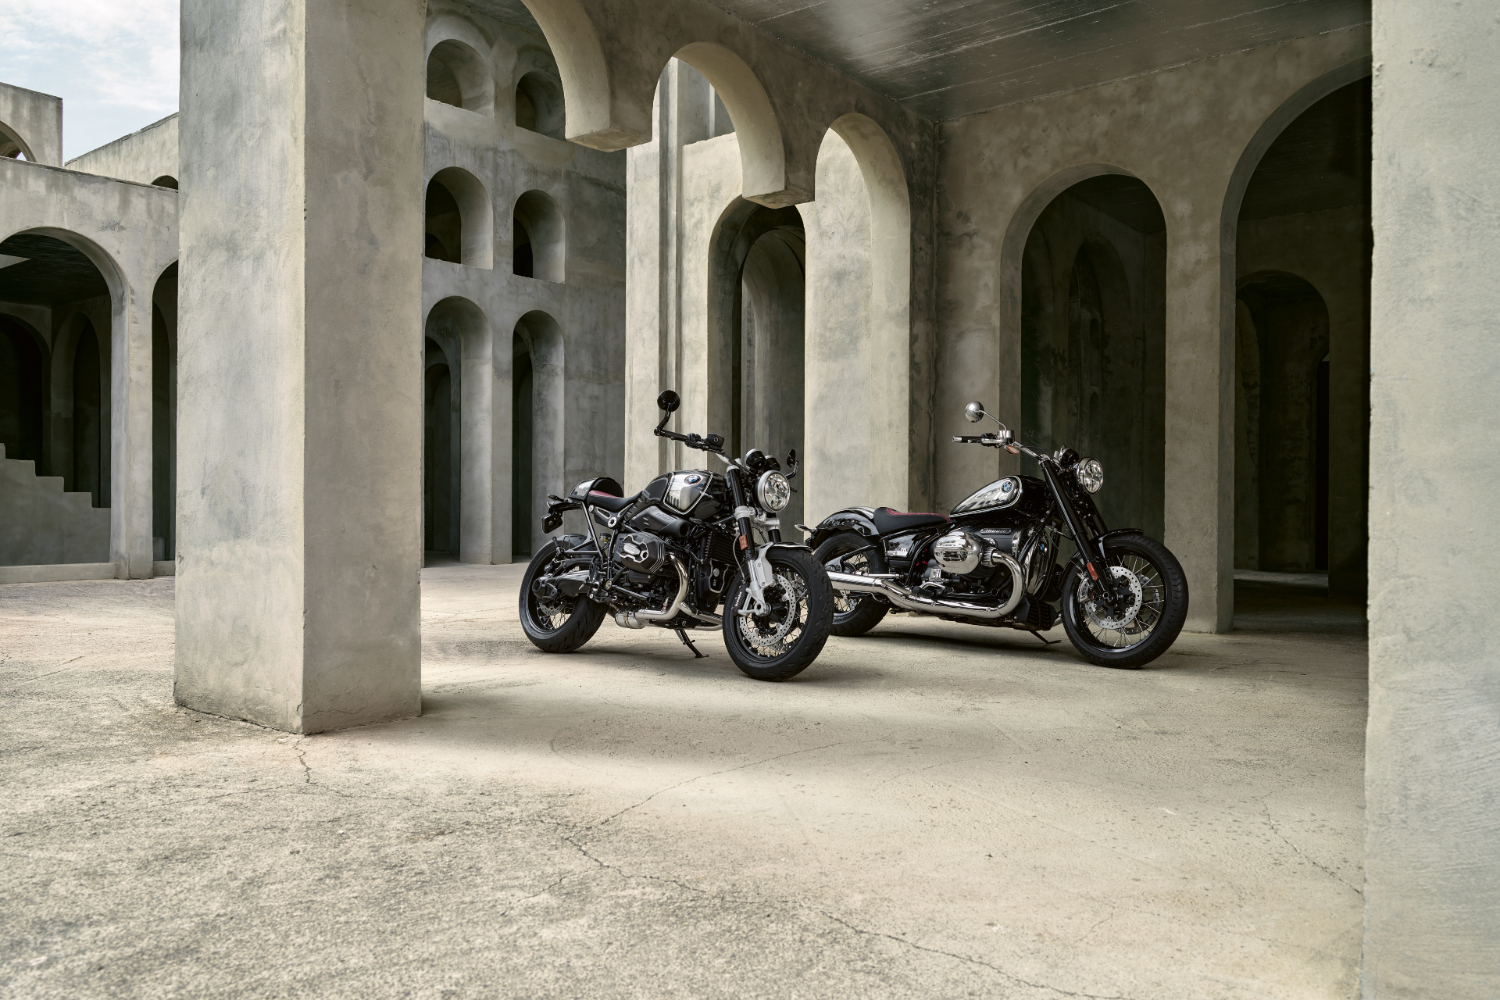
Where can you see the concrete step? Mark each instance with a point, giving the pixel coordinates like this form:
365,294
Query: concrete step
40,524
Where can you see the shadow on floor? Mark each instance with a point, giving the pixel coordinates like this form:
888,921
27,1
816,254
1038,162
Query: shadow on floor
1265,605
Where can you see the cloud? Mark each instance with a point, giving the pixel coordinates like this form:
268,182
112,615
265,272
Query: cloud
114,64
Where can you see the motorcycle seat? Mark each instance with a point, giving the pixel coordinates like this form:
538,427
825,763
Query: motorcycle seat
614,505
888,521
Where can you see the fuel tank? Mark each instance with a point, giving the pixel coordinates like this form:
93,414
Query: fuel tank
695,493
1010,504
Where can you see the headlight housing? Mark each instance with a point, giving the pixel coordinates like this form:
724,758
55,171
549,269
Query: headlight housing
773,491
1090,473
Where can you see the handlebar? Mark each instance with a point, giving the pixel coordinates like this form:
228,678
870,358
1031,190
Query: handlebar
999,440
713,443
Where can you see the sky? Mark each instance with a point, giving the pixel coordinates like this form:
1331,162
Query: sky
113,62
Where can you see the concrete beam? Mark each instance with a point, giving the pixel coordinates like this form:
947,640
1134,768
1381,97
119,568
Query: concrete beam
299,410
1432,884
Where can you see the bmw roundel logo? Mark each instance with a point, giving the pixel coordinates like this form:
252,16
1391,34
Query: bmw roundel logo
1005,486
693,480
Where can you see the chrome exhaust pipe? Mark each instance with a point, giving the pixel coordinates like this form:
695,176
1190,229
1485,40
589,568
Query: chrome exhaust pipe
640,619
909,600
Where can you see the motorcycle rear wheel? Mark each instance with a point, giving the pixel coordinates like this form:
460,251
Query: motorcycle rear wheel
781,644
1157,614
559,625
853,614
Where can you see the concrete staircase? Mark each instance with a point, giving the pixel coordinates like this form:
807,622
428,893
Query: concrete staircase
40,524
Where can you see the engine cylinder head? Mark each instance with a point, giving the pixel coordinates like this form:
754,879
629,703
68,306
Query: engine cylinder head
958,552
641,552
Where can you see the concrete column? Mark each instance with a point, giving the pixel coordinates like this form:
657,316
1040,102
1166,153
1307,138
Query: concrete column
130,430
300,421
1432,787
1199,504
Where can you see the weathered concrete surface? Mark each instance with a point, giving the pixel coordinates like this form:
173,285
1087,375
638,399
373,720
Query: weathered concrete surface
1433,838
933,811
299,397
31,121
144,156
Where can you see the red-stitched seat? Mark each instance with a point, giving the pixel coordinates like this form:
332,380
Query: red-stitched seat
614,505
888,521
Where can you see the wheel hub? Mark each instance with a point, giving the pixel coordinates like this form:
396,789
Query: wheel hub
768,630
1097,612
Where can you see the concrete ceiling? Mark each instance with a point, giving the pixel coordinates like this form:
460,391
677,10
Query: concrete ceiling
950,58
947,59
1320,161
52,272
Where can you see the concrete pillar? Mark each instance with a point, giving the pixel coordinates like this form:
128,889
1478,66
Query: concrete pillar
300,341
1199,504
1432,787
130,430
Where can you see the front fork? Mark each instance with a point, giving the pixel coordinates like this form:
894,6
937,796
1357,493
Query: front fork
1089,543
753,561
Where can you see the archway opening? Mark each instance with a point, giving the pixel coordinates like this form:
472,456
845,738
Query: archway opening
1302,329
12,145
89,432
460,76
539,102
166,181
23,389
1093,341
539,238
439,496
537,422
164,416
460,221
769,361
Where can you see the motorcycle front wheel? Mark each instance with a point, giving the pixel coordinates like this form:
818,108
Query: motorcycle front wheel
782,642
1142,631
555,624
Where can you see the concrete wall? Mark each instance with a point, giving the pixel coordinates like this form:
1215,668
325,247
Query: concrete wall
32,122
1217,115
1432,882
144,156
473,311
129,232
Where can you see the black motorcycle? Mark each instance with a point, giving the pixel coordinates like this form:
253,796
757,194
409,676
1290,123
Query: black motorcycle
670,554
995,562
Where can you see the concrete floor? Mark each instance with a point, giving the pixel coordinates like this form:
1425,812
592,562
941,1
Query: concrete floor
932,811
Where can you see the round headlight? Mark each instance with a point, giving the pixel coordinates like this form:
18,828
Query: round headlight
1090,474
773,491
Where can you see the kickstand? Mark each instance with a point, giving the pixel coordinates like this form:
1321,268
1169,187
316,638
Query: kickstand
1046,641
689,644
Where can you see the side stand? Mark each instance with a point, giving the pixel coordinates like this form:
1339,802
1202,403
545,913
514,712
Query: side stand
1046,641
682,634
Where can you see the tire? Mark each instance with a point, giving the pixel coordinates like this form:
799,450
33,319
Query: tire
803,626
1163,599
853,614
574,620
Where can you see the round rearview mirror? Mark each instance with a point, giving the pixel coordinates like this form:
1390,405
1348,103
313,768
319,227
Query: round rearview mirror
668,400
974,411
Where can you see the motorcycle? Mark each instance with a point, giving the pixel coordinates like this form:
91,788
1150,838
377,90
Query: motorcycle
994,561
670,554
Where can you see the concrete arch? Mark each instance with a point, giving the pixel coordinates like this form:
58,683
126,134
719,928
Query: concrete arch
538,219
164,413
458,66
540,338
762,149
166,181
13,145
1265,135
594,117
474,233
462,330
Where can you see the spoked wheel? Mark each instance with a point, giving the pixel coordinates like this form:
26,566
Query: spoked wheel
799,612
552,621
1141,631
851,552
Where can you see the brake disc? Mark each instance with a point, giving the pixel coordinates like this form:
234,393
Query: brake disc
761,630
1096,612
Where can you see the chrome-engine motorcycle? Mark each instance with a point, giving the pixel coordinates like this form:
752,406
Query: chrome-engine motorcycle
670,554
1123,595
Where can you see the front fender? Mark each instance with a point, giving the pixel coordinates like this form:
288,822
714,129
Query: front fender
849,519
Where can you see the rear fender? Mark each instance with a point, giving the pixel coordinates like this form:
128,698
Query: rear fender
848,519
